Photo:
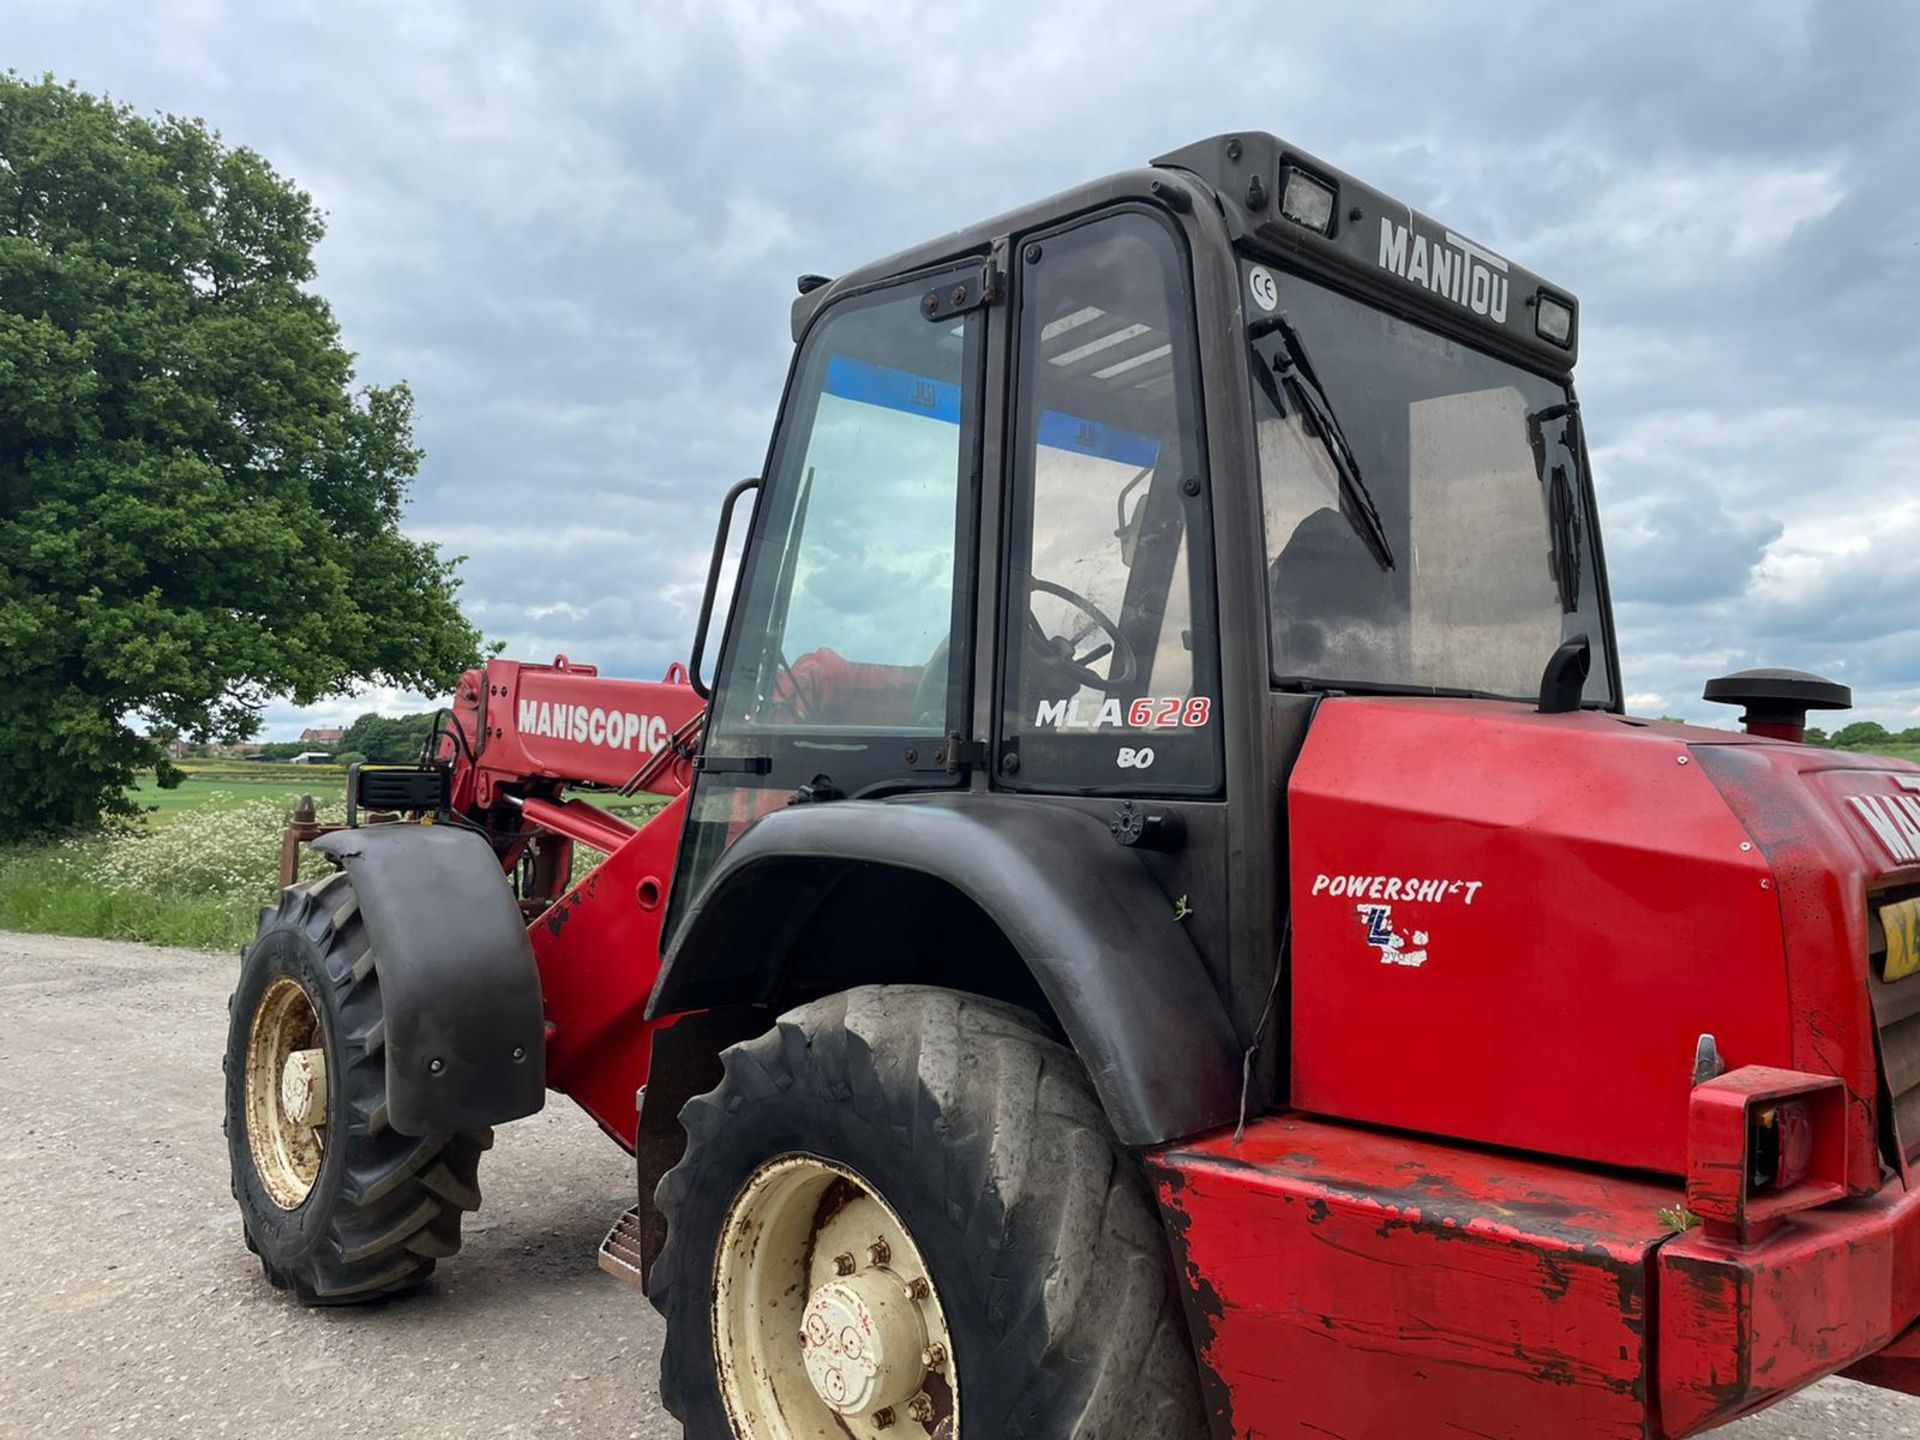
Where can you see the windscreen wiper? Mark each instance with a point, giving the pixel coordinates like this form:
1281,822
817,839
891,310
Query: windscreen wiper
1290,364
1563,510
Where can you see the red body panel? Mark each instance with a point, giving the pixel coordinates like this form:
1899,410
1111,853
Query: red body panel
1374,1287
1826,856
598,949
1585,906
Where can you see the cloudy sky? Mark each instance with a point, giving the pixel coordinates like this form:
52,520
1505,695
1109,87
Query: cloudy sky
573,228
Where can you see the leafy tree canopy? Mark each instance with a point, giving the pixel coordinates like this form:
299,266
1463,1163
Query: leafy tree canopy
1862,735
198,509
389,740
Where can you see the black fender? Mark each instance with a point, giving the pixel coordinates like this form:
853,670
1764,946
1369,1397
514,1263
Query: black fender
465,1024
1099,935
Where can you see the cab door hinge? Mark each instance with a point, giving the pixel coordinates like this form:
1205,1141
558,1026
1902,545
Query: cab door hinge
965,290
958,754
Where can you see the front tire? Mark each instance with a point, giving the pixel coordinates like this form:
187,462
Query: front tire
1049,1303
339,1207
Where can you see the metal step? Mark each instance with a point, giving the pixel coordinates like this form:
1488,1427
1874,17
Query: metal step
620,1251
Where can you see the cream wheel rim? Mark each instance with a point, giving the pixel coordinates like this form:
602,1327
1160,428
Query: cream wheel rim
827,1323
286,1084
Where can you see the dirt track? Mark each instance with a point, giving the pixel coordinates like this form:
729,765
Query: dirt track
131,1308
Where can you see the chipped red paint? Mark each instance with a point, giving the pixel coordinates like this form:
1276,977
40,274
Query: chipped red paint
598,948
1377,1287
1742,1326
1616,919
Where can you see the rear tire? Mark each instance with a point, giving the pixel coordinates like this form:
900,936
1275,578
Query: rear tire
373,1212
984,1138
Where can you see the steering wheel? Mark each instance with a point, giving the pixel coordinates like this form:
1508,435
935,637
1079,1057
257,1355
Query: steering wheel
1058,652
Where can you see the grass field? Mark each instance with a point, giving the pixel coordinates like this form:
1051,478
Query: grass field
195,870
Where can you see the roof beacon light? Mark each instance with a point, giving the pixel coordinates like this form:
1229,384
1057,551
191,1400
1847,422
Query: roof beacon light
1306,201
1553,318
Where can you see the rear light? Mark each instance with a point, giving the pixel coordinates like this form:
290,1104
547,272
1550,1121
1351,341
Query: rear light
1764,1143
1306,200
1780,1147
1553,320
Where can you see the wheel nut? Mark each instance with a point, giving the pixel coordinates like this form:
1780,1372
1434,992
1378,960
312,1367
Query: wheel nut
843,1264
919,1289
934,1357
921,1409
883,1418
880,1252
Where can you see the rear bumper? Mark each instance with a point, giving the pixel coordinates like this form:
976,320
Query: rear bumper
1378,1286
1740,1326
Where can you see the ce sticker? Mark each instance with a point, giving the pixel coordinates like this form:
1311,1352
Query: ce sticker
1264,288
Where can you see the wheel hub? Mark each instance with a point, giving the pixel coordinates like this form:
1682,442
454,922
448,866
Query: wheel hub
286,1093
827,1322
862,1340
303,1087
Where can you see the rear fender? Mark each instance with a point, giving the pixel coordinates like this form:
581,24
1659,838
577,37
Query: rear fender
1095,930
465,1030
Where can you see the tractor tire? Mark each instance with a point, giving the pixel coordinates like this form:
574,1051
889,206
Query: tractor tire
975,1144
345,1209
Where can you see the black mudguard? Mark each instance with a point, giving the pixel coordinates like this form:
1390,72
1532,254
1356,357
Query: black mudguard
1099,935
457,976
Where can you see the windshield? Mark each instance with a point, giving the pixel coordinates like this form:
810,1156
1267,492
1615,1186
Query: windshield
1426,516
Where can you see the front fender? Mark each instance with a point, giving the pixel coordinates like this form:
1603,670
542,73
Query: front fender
1093,927
457,976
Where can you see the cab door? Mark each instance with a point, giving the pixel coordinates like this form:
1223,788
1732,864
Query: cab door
846,661
1110,666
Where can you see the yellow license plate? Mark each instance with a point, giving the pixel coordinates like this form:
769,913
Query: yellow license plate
1902,924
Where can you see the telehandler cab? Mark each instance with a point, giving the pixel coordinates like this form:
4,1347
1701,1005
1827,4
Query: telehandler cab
1160,926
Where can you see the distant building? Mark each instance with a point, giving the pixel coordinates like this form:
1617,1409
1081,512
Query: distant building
316,736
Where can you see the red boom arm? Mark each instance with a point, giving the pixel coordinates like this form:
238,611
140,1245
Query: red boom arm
566,723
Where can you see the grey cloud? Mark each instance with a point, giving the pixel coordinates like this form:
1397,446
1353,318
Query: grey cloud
573,228
1684,549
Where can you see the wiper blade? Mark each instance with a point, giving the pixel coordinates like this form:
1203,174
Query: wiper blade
1563,510
1291,365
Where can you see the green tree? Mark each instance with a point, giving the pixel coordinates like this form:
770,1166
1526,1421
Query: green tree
389,740
198,509
1862,735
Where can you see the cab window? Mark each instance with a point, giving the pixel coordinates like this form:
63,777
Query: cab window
847,650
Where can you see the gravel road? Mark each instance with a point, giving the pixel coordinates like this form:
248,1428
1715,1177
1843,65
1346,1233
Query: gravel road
131,1308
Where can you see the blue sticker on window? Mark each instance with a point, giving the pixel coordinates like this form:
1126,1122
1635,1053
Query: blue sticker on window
1090,437
891,389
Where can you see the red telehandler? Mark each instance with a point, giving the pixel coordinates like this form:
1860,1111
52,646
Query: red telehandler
1161,925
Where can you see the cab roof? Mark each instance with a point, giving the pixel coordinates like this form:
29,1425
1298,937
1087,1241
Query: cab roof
1282,203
